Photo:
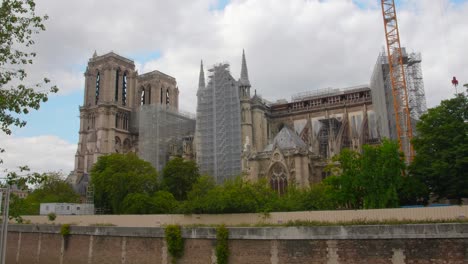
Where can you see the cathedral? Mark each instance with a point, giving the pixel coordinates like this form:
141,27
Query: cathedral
234,132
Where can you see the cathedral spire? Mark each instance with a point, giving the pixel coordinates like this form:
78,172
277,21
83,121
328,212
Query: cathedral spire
201,81
244,78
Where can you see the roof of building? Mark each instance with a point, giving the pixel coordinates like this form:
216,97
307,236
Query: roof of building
286,139
109,55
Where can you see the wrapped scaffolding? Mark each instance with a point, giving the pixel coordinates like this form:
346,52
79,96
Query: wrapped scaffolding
161,130
218,134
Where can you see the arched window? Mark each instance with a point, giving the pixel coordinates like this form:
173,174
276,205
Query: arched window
124,89
161,96
98,84
142,98
278,178
167,96
117,73
117,120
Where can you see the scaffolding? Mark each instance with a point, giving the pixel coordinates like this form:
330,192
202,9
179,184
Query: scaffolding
415,86
329,129
162,129
382,97
218,132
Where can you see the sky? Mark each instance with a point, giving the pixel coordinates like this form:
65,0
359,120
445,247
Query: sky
291,47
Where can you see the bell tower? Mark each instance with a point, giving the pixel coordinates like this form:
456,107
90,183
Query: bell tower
105,116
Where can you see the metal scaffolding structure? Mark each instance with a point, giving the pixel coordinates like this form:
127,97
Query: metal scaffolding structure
218,133
382,96
161,129
415,86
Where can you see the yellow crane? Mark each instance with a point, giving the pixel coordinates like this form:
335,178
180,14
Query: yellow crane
398,79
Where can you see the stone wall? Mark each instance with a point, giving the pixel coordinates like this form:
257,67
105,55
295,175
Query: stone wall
333,216
418,244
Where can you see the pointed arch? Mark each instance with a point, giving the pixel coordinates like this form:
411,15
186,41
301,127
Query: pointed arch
142,96
98,86
278,178
117,76
124,88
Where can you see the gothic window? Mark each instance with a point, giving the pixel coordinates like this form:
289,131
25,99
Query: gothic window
142,98
117,73
98,84
161,97
117,120
167,96
124,89
278,178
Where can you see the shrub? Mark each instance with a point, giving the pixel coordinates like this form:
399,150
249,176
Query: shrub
175,242
51,216
222,249
65,230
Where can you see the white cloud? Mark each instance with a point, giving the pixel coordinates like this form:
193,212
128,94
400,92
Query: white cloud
41,153
291,46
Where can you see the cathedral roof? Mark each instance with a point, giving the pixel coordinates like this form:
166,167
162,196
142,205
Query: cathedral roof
286,139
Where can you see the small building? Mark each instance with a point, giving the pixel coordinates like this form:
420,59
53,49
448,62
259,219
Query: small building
67,209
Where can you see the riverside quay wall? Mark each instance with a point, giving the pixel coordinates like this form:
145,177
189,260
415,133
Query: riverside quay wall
375,244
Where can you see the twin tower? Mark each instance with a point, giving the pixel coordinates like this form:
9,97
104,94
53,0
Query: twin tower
127,112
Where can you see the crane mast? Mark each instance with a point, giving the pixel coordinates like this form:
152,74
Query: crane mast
398,79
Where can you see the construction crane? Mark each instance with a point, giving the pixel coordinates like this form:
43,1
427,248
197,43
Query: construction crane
398,79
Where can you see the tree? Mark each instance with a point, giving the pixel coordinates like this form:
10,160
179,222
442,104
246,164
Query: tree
19,23
441,146
178,176
53,189
116,175
368,180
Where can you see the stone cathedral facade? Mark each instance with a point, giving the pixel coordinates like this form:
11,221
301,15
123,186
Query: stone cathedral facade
285,142
290,142
114,93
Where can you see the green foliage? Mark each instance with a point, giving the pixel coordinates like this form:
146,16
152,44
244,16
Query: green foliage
234,196
367,180
116,175
163,202
441,146
19,23
175,242
65,230
222,248
412,191
137,203
52,189
51,216
178,176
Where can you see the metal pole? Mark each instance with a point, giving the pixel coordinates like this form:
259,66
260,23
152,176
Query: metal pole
4,233
3,217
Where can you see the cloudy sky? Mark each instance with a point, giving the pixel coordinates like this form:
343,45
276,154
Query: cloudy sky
291,46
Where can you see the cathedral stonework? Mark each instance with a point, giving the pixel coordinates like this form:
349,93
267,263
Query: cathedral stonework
113,96
285,142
